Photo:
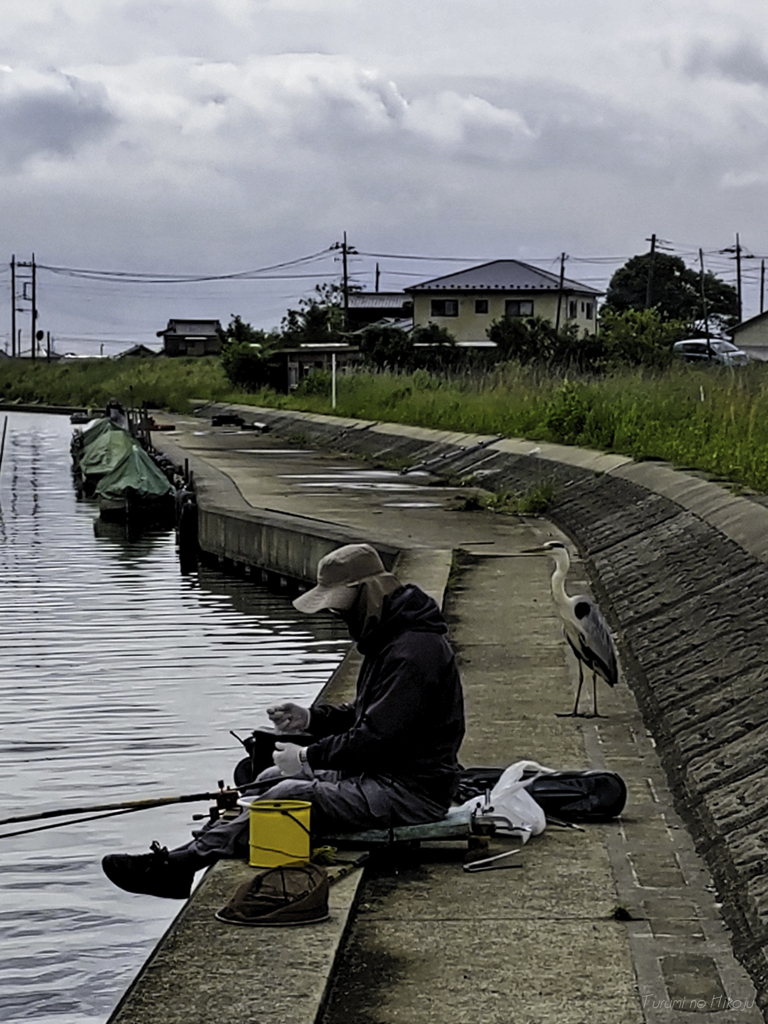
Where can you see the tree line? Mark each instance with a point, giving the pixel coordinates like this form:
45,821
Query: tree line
652,301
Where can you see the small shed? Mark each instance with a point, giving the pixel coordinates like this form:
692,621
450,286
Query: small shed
191,338
752,336
290,366
366,308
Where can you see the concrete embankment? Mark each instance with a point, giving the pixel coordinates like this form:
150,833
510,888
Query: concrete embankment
680,564
616,924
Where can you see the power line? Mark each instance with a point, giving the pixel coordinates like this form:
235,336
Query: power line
136,277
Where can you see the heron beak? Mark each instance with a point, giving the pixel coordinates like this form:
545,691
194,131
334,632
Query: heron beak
533,551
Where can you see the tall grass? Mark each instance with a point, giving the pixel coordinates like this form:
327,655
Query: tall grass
161,383
711,419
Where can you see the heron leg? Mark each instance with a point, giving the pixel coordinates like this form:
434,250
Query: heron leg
595,713
575,712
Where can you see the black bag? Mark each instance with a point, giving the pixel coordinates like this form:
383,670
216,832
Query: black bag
260,746
588,795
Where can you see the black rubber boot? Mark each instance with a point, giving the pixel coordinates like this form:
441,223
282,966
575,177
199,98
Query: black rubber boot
156,873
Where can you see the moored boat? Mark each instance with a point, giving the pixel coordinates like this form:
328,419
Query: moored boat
136,490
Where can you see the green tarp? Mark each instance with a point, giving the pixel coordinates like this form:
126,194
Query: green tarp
95,429
137,471
104,451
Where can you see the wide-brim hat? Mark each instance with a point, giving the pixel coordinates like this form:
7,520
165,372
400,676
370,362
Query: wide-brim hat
345,568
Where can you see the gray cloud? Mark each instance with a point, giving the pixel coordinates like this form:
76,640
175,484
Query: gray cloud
214,135
742,61
49,114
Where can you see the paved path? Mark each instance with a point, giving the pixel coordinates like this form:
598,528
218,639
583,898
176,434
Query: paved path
616,923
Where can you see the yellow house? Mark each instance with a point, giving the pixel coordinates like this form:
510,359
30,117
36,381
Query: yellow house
466,303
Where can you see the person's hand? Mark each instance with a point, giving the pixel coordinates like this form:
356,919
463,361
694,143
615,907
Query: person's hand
288,759
289,717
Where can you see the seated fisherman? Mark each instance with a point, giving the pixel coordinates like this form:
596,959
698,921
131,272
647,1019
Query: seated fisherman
389,758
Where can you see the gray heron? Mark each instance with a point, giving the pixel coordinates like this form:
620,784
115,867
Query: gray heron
585,628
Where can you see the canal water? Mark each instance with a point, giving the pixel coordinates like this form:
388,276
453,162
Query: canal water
119,679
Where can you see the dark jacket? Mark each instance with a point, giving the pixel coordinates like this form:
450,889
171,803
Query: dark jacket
407,720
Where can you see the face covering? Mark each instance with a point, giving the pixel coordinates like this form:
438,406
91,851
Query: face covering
364,617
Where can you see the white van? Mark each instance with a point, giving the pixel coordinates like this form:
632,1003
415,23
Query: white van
694,350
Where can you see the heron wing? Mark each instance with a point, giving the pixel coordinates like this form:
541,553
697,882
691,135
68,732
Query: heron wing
596,646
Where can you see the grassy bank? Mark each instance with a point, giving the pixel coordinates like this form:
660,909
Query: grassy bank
712,419
161,383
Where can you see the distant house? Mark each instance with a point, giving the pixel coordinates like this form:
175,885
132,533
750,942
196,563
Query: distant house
366,308
137,352
752,336
191,338
467,302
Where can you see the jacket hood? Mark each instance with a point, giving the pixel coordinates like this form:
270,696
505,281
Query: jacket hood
408,609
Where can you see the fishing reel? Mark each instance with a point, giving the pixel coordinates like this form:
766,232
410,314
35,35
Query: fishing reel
225,808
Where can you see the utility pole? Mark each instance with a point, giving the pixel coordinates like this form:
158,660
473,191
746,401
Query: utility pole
346,250
346,282
762,285
378,275
649,286
738,272
560,292
704,303
27,281
34,308
13,305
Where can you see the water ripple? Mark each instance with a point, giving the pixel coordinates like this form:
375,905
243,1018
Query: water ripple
119,679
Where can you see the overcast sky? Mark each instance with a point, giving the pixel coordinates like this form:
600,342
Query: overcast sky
213,137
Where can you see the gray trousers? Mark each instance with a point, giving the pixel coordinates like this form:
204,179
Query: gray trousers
338,805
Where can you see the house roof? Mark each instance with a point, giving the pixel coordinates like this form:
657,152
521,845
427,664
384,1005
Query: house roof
191,327
503,275
748,323
378,300
137,350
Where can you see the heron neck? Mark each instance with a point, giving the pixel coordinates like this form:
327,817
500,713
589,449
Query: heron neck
558,581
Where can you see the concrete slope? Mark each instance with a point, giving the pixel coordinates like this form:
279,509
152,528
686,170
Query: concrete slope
678,564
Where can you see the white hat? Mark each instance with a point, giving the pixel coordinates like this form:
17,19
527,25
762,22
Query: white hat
339,571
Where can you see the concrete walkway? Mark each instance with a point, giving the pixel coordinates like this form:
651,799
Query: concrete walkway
616,923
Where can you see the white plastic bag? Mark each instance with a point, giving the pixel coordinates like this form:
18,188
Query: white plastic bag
510,800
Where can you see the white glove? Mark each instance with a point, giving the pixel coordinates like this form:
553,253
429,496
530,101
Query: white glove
290,759
289,717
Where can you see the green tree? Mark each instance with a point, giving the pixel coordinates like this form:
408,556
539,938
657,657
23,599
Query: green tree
674,290
318,319
639,337
245,354
387,348
524,339
434,348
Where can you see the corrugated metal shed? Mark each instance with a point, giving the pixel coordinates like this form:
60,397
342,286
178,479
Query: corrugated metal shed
378,300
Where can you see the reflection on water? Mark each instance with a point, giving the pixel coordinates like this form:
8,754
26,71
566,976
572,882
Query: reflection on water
119,679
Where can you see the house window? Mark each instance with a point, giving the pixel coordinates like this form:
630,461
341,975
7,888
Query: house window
445,307
481,305
573,309
589,310
518,307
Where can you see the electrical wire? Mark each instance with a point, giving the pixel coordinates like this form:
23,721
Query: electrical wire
136,277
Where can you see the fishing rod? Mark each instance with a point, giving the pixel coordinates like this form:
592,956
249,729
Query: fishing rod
73,821
224,797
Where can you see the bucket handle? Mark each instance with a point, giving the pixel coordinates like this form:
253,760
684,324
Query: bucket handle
296,821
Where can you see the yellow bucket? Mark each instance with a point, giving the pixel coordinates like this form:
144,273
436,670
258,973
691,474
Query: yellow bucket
279,832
